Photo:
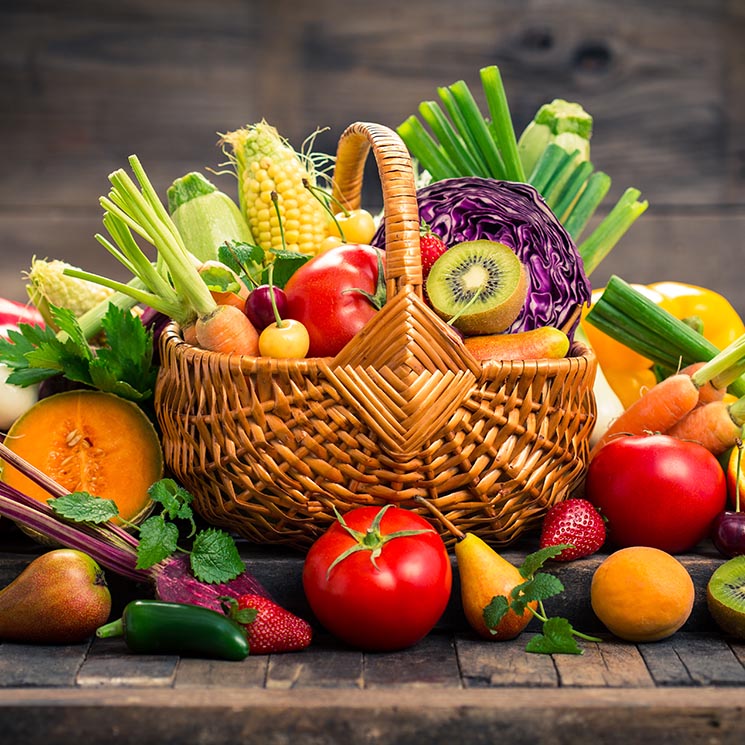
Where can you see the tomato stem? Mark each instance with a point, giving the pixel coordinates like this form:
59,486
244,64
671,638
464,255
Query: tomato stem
371,540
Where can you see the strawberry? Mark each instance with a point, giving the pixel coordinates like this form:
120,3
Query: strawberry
270,628
576,522
431,247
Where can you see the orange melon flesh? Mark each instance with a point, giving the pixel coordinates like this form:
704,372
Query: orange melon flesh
88,441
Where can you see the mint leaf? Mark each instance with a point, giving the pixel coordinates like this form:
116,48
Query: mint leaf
495,611
533,562
81,507
174,498
158,540
557,638
540,587
214,557
244,259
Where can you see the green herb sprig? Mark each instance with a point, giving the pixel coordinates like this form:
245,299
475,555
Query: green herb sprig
122,365
558,635
213,556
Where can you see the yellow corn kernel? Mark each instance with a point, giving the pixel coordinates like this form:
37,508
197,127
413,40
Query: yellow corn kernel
265,163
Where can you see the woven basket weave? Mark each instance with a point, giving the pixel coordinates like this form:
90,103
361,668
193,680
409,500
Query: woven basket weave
269,447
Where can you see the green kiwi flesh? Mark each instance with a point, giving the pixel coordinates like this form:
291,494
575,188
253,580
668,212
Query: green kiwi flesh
725,596
494,271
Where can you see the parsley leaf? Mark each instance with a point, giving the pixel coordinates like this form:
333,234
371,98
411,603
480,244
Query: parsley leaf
83,507
557,638
214,557
123,365
158,540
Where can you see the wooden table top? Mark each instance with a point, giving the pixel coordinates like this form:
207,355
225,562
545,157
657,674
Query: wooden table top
450,685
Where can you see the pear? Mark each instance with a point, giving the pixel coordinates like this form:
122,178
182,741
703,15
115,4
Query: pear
485,574
61,597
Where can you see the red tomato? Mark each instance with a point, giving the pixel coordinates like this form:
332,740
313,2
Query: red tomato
375,586
322,295
657,491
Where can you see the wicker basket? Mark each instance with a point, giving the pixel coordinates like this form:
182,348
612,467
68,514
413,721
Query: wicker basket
269,447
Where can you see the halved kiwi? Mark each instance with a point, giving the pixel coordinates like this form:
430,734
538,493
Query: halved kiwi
725,596
481,284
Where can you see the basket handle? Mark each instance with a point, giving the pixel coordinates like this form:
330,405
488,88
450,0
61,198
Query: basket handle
400,209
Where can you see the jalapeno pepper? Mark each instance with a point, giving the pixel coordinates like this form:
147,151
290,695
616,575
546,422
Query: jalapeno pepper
627,372
156,627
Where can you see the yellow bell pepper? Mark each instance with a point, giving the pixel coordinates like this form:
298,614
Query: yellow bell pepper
628,373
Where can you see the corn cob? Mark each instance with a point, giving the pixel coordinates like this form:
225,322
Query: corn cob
48,285
266,163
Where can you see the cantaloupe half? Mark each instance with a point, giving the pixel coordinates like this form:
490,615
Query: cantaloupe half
88,441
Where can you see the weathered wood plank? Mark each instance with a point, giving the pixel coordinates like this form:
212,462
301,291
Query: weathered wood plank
40,665
385,716
326,664
503,664
609,664
430,663
709,660
109,664
197,673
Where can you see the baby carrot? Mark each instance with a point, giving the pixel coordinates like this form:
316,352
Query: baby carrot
227,329
716,425
656,411
707,391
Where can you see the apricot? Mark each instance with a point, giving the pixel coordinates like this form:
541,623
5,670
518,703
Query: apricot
642,594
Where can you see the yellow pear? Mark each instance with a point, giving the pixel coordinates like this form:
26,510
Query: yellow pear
485,574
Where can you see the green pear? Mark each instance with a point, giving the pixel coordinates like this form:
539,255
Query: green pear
61,597
485,574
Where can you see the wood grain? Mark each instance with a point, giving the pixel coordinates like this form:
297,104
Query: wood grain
86,84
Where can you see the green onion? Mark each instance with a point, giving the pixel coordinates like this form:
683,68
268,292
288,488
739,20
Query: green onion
450,141
563,202
425,150
466,134
553,158
596,247
475,122
628,316
593,194
501,122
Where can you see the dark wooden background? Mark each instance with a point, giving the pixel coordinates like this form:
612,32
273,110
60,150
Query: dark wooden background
84,83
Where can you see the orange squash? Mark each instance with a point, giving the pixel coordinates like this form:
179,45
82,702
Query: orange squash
88,441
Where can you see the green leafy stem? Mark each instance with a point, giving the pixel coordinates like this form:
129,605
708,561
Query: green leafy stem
558,635
213,555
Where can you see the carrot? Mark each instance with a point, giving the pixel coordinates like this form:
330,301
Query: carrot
707,392
716,425
657,410
227,329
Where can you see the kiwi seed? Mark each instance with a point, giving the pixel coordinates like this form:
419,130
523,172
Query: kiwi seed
485,276
725,596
